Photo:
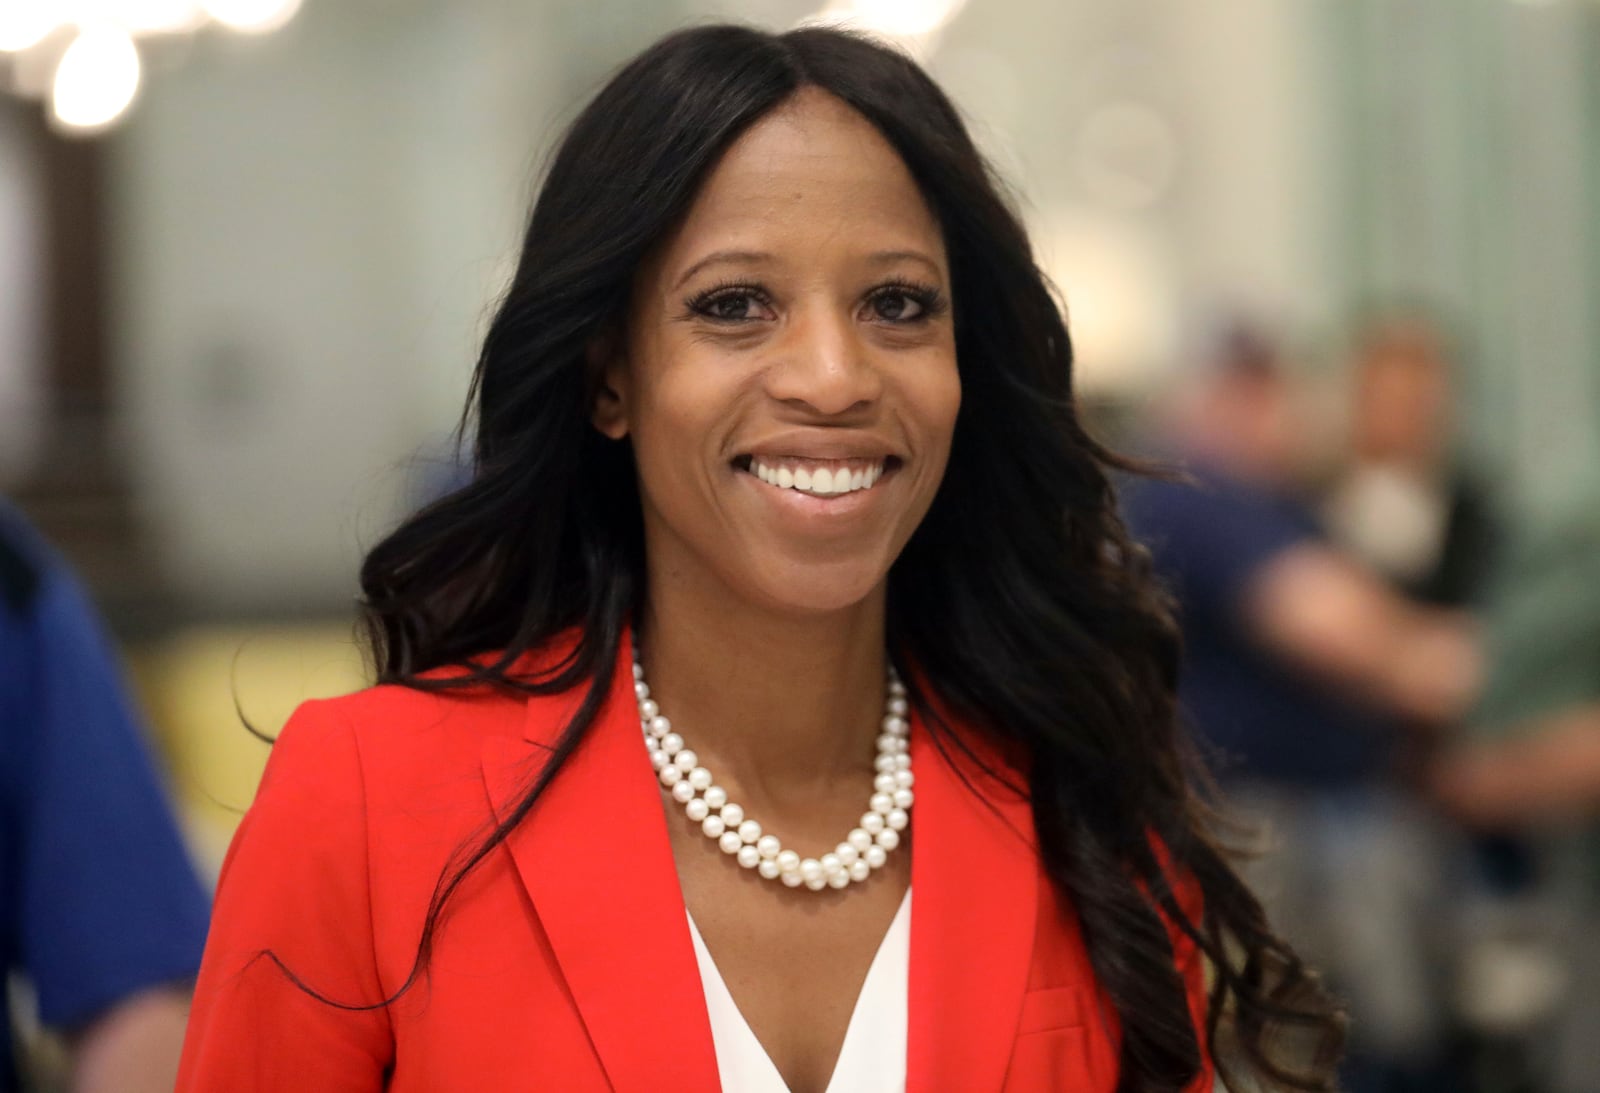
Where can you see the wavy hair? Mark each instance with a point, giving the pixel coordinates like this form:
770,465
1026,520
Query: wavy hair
1021,597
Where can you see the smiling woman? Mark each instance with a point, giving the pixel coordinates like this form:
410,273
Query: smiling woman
776,415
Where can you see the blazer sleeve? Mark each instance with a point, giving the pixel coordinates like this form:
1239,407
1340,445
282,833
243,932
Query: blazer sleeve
292,922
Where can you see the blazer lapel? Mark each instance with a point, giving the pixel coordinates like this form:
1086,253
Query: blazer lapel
596,861
976,877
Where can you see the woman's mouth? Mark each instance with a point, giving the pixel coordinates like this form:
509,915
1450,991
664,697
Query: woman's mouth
818,477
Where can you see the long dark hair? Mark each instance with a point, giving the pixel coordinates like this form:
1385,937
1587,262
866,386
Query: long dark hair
1021,597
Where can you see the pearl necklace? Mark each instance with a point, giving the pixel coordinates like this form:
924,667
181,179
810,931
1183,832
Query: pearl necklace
865,849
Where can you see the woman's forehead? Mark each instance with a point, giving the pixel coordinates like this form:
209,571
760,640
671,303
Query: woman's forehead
814,173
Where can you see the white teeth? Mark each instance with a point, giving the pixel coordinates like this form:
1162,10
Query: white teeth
818,481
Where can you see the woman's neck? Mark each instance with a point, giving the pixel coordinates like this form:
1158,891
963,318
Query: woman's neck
781,705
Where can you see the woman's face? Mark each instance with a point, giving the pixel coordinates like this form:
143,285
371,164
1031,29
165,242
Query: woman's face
788,375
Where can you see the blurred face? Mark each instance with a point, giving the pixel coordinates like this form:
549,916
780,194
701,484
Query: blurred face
1403,397
788,375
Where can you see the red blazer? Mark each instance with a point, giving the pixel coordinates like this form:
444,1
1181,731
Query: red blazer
564,961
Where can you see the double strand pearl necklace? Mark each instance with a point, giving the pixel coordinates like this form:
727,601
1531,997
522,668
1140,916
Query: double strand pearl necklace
865,849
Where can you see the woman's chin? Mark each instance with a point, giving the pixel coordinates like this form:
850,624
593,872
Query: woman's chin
813,590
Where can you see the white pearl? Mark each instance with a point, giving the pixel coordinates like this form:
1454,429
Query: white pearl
866,847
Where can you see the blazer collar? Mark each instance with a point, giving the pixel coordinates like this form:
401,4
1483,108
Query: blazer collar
976,878
596,860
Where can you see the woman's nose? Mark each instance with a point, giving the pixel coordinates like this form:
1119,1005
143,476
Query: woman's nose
825,364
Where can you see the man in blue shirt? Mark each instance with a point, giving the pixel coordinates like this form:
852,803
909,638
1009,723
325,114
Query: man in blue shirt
1301,672
103,912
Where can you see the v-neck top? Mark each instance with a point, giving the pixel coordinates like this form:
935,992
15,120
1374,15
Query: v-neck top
873,1055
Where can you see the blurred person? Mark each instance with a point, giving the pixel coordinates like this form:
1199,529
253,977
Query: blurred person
103,913
774,436
1302,671
1403,503
1530,765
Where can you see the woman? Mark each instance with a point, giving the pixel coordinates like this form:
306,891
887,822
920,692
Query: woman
778,404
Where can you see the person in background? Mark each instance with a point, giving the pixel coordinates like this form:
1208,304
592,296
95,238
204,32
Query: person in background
103,913
1303,671
1529,766
1404,504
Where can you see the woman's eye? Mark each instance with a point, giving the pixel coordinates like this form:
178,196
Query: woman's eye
895,305
730,306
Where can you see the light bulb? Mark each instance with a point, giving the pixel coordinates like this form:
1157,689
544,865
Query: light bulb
96,78
23,23
897,18
252,16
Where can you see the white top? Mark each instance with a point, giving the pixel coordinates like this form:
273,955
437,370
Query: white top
874,1052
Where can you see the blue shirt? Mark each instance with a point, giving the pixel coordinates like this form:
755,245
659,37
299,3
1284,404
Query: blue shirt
98,895
1269,721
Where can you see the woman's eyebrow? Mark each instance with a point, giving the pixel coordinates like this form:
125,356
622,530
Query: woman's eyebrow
756,257
889,257
739,257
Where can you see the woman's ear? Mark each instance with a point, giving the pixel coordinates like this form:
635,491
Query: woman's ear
608,408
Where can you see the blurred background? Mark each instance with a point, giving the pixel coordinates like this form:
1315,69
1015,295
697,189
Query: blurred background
247,248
